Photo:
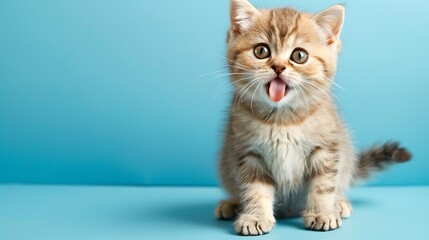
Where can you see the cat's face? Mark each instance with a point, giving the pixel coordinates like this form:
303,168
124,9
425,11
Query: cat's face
281,57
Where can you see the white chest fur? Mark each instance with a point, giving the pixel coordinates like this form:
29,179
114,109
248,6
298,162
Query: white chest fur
284,152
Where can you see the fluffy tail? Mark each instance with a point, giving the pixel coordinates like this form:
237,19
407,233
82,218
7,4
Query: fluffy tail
379,157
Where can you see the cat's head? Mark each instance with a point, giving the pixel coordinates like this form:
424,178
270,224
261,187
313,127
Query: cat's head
281,57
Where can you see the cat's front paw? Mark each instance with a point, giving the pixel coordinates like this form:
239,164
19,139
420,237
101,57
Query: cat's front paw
249,225
323,221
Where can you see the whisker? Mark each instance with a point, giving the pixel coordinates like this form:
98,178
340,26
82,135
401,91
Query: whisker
232,61
303,95
336,84
253,95
222,86
223,72
225,85
241,90
335,96
209,73
247,87
229,74
310,84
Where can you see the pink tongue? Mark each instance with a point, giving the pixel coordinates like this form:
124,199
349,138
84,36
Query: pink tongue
277,90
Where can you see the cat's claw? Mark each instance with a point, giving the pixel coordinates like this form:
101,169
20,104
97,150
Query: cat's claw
322,221
247,225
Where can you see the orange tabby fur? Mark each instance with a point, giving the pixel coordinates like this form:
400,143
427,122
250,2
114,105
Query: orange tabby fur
295,156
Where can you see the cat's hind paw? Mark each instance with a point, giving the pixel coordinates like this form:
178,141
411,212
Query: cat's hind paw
345,208
225,210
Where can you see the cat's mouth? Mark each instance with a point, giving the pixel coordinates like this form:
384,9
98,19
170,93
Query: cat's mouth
277,89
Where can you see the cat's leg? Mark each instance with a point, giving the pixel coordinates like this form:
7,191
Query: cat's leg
256,198
345,177
226,209
257,215
344,206
321,212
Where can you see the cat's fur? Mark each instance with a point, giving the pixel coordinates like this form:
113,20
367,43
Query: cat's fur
294,156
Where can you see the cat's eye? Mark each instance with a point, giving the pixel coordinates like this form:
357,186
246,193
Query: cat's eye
299,56
262,51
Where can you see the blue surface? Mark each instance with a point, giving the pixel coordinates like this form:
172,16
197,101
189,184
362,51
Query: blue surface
46,212
117,92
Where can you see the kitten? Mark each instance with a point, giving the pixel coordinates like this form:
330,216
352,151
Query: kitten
286,150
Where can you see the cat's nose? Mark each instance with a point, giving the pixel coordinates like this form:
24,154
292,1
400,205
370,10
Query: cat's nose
278,69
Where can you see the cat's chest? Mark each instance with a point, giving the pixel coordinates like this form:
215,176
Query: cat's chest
284,152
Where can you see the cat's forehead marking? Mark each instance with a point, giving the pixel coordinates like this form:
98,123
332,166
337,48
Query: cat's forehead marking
283,25
274,30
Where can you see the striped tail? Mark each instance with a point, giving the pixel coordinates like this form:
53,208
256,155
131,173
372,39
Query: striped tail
379,157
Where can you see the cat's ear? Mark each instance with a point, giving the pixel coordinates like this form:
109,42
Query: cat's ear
242,14
331,21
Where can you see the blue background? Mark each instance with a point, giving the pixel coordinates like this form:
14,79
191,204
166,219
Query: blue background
132,92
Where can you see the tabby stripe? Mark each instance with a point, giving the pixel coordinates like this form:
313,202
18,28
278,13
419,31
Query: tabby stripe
295,27
325,66
313,151
325,189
